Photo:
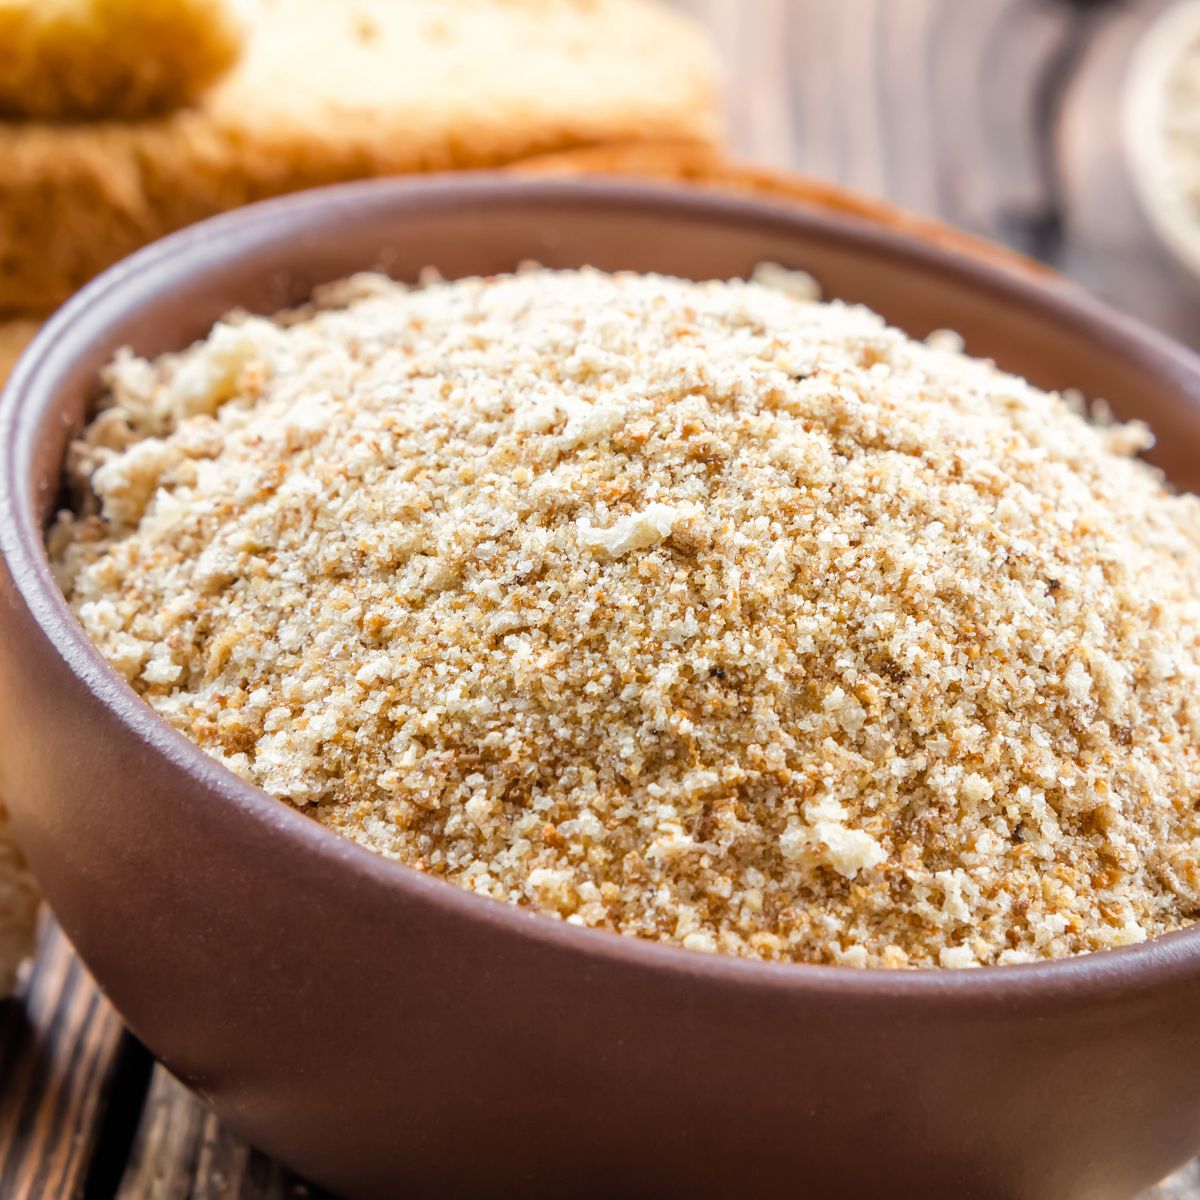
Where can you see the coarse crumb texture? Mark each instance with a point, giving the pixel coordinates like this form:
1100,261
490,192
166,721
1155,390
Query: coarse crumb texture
18,907
702,612
62,59
331,90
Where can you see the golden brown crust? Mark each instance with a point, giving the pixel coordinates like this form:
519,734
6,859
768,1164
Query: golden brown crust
112,58
402,85
680,162
14,337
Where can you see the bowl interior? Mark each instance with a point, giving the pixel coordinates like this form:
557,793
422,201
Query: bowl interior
265,258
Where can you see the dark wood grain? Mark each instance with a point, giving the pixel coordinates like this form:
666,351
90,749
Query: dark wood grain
72,1082
182,1152
1000,116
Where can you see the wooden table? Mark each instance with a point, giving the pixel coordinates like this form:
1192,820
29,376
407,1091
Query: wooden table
998,115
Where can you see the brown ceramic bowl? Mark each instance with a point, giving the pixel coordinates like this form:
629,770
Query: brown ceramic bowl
388,1034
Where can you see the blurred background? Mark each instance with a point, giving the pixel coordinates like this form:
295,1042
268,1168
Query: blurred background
1000,116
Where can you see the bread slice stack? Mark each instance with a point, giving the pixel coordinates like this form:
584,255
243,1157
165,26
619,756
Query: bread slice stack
324,91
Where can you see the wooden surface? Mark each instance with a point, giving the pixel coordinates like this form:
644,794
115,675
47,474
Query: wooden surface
1001,116
998,115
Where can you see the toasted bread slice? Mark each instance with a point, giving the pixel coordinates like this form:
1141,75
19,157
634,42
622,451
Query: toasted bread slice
112,58
14,337
331,90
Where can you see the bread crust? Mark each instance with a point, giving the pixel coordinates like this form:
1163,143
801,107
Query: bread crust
61,59
14,337
390,86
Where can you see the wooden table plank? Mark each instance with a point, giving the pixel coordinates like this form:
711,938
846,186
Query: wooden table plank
72,1082
933,104
1000,116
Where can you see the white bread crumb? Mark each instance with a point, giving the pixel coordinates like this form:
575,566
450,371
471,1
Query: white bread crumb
698,612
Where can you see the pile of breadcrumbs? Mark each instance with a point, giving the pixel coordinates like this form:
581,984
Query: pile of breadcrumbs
700,612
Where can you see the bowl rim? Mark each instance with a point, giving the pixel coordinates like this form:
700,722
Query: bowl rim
1169,958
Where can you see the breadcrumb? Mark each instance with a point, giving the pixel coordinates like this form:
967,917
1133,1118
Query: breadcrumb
702,612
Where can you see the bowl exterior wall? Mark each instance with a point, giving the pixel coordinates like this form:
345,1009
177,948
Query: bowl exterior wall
385,1034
